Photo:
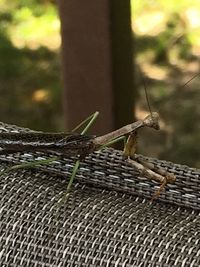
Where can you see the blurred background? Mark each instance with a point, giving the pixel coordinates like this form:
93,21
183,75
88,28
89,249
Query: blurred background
161,51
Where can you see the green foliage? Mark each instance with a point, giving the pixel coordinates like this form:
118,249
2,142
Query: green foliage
30,90
167,41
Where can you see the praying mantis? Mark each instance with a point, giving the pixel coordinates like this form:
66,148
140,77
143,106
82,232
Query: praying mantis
81,145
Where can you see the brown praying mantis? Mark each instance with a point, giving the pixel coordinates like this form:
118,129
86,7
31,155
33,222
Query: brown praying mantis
81,145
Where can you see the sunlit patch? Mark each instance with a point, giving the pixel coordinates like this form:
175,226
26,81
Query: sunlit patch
140,113
155,72
151,23
193,17
41,95
34,31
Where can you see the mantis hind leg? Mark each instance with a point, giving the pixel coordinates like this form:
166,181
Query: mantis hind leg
90,120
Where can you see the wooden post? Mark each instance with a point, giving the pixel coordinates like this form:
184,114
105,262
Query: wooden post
122,62
97,74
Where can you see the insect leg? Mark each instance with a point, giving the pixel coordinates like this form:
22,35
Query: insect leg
146,168
65,196
90,120
168,177
130,145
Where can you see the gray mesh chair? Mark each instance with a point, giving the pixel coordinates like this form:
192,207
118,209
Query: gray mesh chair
107,220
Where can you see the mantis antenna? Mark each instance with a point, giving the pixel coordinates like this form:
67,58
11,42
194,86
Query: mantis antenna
190,79
147,97
146,94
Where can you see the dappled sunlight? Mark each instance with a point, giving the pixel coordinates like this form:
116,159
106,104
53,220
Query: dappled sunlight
33,31
153,18
155,72
151,23
193,17
41,95
193,21
32,25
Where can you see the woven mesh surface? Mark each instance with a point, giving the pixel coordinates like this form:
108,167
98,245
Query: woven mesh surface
107,219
